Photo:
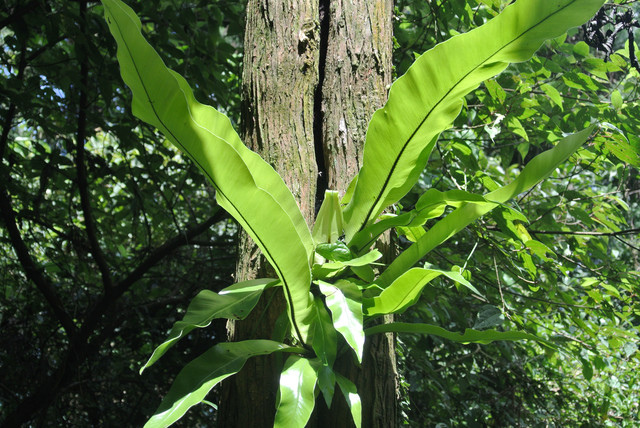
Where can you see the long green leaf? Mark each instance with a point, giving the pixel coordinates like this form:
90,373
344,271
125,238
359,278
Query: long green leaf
197,378
297,393
246,186
536,170
364,260
234,302
406,290
469,335
344,299
350,393
425,101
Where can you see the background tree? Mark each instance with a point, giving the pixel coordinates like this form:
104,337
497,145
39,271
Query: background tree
314,73
103,228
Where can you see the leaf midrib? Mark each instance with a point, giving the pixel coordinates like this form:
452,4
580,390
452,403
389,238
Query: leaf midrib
406,143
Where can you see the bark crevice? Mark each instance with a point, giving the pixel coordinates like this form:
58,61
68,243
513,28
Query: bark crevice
324,14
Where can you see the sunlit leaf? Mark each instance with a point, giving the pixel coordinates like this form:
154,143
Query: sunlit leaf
242,179
553,94
469,335
198,377
405,290
344,299
328,225
430,205
297,397
350,393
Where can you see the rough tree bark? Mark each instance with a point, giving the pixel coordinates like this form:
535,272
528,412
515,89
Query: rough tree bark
314,73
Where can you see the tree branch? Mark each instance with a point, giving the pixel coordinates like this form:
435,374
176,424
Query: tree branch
81,168
627,243
33,272
80,347
578,232
165,249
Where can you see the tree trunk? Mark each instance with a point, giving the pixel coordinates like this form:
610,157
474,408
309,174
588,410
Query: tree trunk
314,73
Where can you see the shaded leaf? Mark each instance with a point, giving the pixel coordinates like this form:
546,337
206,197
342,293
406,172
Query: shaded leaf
327,383
234,302
488,316
324,340
336,251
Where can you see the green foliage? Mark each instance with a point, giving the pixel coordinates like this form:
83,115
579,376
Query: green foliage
538,169
559,263
402,135
534,284
199,376
118,226
296,395
234,302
